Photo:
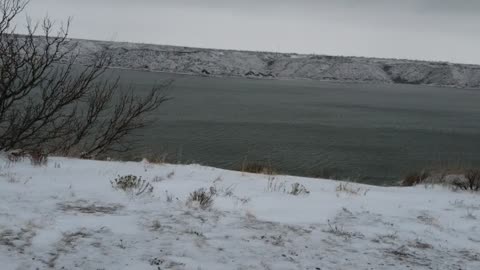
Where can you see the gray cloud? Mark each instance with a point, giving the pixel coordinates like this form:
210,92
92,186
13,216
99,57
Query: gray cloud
427,6
415,29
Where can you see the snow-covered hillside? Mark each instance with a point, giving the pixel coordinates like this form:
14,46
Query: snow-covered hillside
210,62
67,215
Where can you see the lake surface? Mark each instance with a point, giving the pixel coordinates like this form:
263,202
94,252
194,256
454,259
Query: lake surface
369,133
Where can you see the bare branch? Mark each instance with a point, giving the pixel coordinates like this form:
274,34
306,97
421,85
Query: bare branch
48,101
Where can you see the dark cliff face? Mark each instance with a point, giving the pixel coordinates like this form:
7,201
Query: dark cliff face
211,62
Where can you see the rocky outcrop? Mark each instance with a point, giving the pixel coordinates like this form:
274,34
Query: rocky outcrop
211,62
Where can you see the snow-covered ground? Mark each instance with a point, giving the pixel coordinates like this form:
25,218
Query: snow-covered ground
67,215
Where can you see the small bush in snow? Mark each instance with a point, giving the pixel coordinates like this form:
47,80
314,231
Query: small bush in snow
298,189
200,198
473,177
471,182
132,184
38,158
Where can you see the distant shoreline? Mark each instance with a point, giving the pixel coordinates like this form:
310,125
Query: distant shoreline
280,66
294,79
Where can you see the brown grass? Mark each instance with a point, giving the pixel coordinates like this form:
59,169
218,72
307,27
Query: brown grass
258,167
415,178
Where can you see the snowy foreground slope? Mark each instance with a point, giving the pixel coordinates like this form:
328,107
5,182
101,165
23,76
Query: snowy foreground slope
66,215
226,63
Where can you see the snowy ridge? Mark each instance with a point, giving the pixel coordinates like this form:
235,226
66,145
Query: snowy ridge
211,62
67,215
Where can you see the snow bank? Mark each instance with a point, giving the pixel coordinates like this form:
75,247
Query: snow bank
67,215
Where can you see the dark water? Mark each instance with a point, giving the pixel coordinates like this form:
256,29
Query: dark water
369,133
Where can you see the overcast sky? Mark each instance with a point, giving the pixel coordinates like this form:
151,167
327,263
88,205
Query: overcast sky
446,30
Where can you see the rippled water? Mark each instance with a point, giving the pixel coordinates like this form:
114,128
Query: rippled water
365,132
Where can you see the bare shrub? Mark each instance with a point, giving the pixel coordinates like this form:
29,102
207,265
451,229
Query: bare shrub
473,177
49,99
200,198
38,157
132,184
415,178
472,181
298,189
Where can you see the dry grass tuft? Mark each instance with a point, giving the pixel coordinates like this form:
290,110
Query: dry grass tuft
298,189
274,185
132,184
200,198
